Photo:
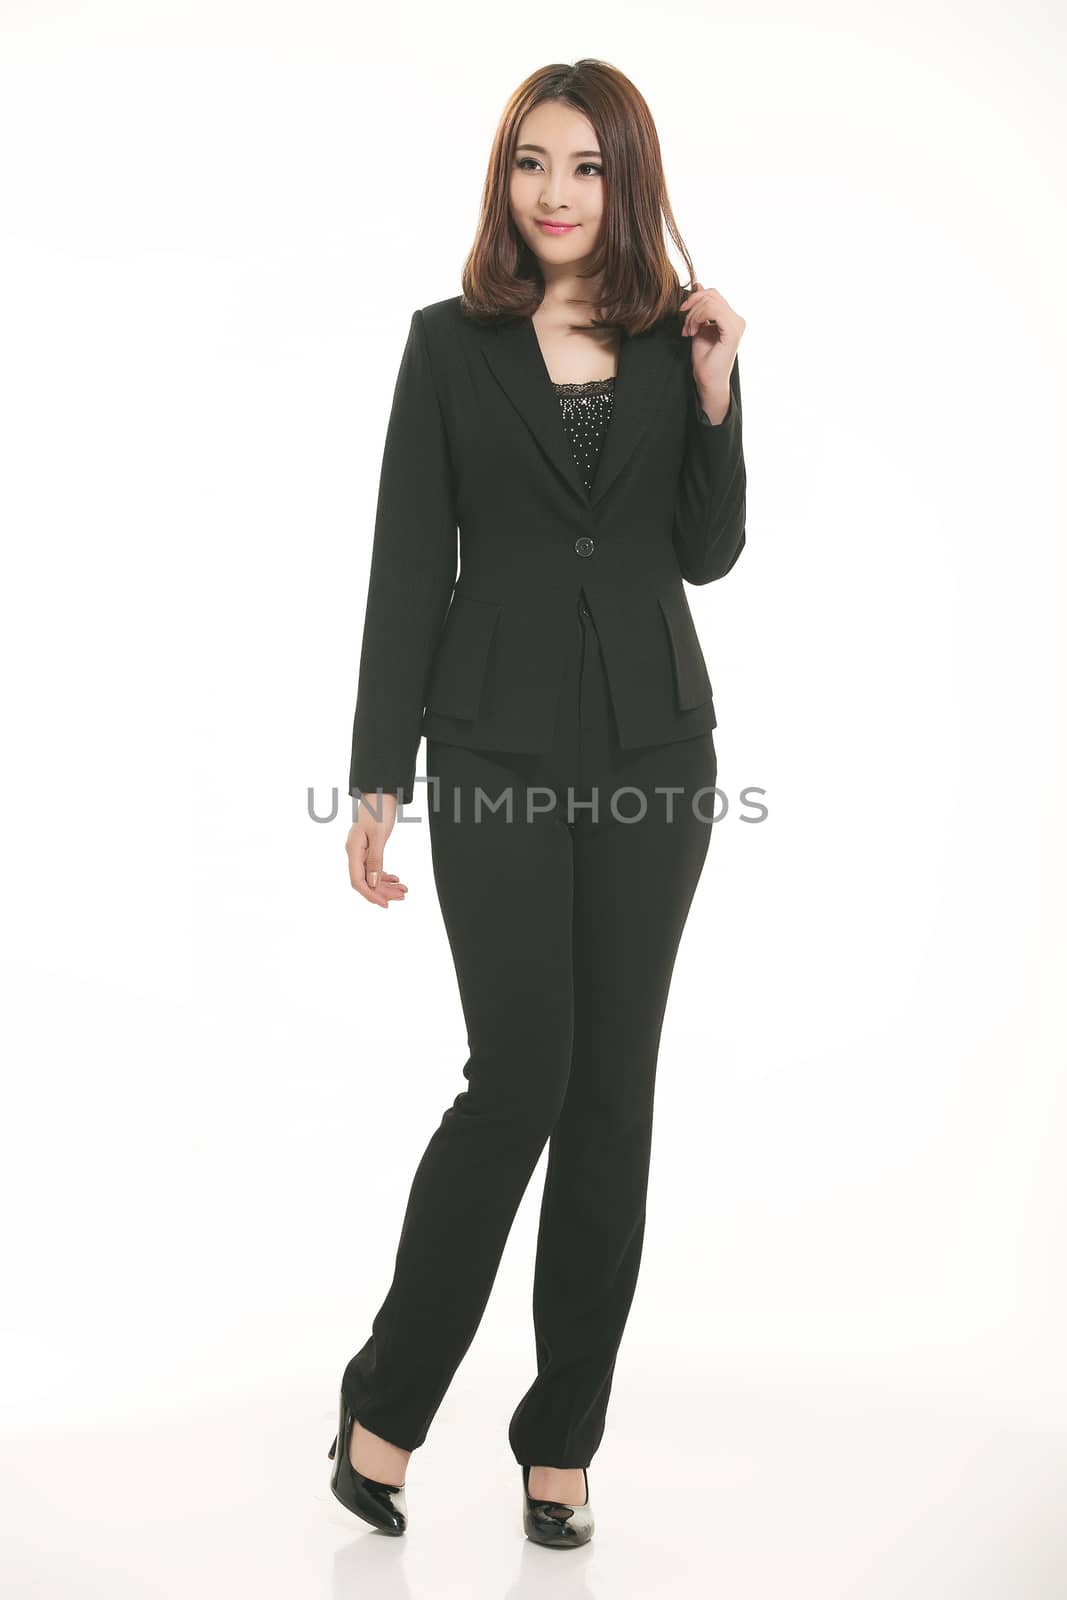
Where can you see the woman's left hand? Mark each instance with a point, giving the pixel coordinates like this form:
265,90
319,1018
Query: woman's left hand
715,329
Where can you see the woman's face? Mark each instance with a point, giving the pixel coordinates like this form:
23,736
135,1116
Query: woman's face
557,176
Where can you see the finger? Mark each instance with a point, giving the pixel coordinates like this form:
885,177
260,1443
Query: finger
708,325
357,871
390,886
691,297
355,845
711,307
375,896
373,864
702,307
712,317
716,309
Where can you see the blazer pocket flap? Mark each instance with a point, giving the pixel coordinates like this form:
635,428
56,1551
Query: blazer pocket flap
457,673
692,684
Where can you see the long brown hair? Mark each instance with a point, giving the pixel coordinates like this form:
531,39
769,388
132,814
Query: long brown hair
501,275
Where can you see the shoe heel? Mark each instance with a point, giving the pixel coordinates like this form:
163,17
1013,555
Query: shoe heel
383,1505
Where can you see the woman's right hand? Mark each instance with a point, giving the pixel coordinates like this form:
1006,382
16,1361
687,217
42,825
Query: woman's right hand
365,848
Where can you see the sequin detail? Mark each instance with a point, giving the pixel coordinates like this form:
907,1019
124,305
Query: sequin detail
586,412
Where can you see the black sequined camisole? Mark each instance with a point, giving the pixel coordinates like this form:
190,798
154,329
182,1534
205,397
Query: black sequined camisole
586,411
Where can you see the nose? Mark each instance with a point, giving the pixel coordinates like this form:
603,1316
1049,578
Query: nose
550,195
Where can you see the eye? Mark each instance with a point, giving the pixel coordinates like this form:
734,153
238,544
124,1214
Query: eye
589,166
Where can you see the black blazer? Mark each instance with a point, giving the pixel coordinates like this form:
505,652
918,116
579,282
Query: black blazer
476,442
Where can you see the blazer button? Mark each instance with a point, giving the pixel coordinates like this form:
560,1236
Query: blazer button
584,546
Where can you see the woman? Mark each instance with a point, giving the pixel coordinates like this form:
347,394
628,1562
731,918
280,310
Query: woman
577,417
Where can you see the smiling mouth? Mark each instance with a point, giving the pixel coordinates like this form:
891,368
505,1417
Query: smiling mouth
556,227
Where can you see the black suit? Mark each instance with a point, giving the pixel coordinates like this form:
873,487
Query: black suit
574,681
475,442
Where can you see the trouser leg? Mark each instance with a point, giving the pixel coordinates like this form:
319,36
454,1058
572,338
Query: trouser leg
633,887
505,890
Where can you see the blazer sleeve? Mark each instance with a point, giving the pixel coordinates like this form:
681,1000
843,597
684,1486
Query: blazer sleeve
709,521
412,575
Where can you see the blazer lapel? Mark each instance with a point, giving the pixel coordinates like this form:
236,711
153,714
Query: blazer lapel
644,363
514,355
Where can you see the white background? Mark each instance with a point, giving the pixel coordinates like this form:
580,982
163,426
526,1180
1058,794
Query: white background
222,1066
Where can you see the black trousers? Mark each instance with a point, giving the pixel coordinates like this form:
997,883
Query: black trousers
564,923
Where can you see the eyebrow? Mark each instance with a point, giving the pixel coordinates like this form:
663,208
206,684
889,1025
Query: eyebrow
542,151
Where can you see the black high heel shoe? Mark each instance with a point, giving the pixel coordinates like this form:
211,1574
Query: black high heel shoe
552,1523
383,1505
